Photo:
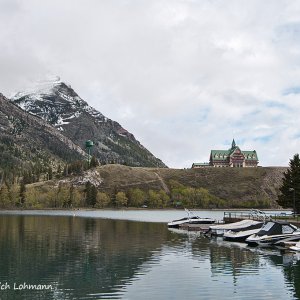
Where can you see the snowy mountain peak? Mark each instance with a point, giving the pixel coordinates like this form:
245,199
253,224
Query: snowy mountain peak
54,101
58,104
45,86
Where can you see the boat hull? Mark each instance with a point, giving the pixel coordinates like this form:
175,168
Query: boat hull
240,239
177,223
240,226
239,236
266,241
295,248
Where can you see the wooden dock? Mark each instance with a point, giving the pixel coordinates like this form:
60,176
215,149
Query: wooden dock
231,217
195,227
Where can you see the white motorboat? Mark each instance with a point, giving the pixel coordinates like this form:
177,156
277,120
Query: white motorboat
219,230
273,232
240,235
190,219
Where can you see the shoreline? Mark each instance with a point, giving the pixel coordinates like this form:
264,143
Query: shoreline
142,209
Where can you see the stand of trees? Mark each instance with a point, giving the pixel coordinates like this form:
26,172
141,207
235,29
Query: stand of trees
67,195
290,189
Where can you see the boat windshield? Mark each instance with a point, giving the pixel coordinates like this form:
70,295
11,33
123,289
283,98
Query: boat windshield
287,229
269,229
268,226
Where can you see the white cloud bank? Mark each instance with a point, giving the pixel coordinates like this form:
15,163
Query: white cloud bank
183,76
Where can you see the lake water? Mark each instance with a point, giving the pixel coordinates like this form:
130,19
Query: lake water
84,256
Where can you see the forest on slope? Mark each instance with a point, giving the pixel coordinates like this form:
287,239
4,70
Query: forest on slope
122,186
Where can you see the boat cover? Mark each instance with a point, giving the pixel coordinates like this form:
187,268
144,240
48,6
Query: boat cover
235,225
276,228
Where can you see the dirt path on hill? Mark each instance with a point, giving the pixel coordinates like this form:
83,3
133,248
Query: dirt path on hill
165,187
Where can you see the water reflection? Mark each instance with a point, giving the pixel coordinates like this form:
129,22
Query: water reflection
78,256
87,258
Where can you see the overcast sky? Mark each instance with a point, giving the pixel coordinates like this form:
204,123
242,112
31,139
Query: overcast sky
184,77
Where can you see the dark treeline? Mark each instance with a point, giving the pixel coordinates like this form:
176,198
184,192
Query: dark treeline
18,184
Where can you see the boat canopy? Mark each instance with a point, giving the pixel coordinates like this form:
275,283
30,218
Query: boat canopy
276,228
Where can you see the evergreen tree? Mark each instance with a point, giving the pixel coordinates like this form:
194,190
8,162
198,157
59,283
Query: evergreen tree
66,170
71,196
4,196
22,192
94,162
87,192
50,173
290,189
90,194
93,196
113,196
58,172
27,177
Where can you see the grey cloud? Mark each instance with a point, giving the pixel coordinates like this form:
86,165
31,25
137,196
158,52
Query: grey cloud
179,74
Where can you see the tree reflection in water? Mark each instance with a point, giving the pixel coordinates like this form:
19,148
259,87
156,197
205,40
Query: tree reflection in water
97,258
77,255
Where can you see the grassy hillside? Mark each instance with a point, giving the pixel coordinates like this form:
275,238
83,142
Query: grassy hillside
118,185
226,183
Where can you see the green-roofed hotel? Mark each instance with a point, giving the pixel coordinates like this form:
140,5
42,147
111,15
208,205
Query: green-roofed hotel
233,157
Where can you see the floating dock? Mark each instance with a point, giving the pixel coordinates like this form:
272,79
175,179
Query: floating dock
195,227
231,217
235,216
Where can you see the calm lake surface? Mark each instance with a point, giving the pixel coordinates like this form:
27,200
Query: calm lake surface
85,256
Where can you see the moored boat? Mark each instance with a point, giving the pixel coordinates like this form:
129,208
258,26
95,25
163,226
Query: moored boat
240,235
220,229
190,219
273,232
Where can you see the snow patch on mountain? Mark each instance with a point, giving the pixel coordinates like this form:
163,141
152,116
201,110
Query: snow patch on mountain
53,100
41,87
95,113
61,121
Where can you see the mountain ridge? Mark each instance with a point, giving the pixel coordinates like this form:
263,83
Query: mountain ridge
58,104
27,140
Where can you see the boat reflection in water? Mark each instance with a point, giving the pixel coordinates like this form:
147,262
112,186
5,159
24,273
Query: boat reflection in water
256,259
237,261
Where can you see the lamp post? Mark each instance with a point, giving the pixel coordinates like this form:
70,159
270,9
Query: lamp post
294,200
